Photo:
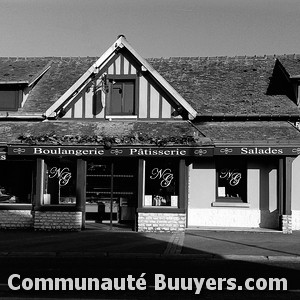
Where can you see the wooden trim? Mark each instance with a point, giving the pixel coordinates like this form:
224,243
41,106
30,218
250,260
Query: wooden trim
81,188
40,170
137,96
114,65
122,64
280,186
182,184
288,186
19,206
160,106
129,66
83,103
161,210
58,207
285,186
148,99
122,77
141,182
230,204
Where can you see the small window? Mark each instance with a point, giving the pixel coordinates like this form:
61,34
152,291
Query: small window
231,181
59,182
9,100
161,183
122,94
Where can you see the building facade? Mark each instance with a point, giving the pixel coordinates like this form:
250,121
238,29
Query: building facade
157,144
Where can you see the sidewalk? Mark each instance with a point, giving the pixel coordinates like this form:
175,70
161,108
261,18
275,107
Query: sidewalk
213,244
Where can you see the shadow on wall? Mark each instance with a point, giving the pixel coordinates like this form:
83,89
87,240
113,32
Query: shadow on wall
268,203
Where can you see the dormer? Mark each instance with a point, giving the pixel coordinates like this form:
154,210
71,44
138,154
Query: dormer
285,79
296,85
12,95
18,76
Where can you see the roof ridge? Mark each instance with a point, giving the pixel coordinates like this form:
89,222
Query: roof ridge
224,57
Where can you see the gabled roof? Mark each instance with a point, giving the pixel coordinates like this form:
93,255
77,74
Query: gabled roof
121,42
227,85
203,86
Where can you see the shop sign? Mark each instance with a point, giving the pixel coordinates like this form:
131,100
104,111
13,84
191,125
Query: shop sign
101,152
2,156
264,151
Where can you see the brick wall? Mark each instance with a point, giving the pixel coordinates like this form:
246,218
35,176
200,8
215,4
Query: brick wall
16,219
159,222
57,220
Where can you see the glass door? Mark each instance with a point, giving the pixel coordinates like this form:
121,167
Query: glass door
111,192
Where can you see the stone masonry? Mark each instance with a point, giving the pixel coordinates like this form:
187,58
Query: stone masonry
16,219
286,224
161,222
57,220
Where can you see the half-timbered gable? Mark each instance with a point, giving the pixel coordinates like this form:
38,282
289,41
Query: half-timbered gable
122,87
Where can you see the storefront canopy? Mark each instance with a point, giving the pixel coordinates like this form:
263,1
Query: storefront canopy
105,132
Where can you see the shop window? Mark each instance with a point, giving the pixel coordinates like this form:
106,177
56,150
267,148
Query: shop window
59,182
161,183
231,181
16,182
122,97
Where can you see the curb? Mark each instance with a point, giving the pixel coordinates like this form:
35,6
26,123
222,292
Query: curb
265,258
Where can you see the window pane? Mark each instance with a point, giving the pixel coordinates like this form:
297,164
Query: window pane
60,182
232,181
8,100
161,183
116,98
128,98
15,181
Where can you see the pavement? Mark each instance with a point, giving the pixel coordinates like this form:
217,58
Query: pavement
194,243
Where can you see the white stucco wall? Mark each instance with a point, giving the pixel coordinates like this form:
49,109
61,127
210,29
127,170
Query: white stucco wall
261,197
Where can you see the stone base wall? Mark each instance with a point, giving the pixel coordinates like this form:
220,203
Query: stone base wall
161,222
57,220
16,219
286,223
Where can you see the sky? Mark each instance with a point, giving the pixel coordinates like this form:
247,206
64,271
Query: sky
154,28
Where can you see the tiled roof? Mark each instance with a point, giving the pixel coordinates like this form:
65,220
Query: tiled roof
80,132
291,63
266,132
63,73
227,85
21,69
214,85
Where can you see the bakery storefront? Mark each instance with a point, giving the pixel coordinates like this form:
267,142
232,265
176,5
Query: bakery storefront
142,188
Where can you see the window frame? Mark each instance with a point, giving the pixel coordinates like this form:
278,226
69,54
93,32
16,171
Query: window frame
237,164
122,79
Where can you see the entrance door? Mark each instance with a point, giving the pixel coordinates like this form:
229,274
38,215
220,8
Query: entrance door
111,193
